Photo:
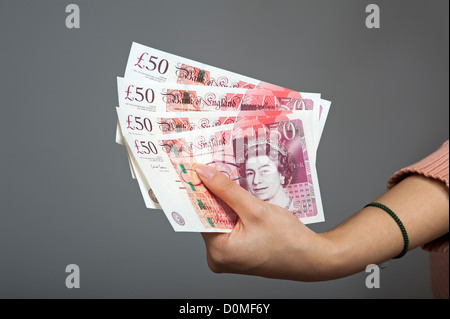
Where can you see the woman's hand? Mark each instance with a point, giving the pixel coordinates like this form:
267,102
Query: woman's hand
267,240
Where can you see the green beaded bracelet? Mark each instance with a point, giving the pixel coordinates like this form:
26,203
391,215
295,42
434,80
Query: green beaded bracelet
399,223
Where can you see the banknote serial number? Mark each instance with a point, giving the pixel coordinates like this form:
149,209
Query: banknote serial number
226,308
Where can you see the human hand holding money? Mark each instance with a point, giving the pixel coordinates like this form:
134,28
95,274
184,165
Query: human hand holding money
168,127
267,240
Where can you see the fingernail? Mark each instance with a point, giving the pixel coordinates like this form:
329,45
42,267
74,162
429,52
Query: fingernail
205,171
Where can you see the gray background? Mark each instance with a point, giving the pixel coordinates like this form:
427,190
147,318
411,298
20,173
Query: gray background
65,188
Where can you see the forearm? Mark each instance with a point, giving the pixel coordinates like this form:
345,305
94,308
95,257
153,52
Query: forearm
371,236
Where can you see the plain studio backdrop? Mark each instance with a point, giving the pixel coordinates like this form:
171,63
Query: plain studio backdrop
67,196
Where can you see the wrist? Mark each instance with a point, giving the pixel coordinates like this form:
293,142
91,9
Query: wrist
325,259
310,257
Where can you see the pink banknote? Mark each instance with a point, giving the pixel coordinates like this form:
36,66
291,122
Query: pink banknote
269,158
175,97
151,64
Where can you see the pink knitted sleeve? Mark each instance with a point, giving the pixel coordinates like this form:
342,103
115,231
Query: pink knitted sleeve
433,166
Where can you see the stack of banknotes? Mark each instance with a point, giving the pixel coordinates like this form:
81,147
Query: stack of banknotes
175,112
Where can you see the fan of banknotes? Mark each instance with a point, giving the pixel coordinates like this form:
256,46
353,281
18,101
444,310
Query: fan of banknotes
174,112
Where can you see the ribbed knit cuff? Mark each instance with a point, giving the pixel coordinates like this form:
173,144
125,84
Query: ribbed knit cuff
433,166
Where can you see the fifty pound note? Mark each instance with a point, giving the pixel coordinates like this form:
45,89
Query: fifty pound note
269,157
151,64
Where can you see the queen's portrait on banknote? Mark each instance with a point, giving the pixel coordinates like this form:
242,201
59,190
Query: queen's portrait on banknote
275,168
266,171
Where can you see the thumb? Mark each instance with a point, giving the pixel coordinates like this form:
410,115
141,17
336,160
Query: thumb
241,201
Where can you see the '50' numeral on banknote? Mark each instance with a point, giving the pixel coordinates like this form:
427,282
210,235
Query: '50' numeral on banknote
162,65
143,147
145,123
149,98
